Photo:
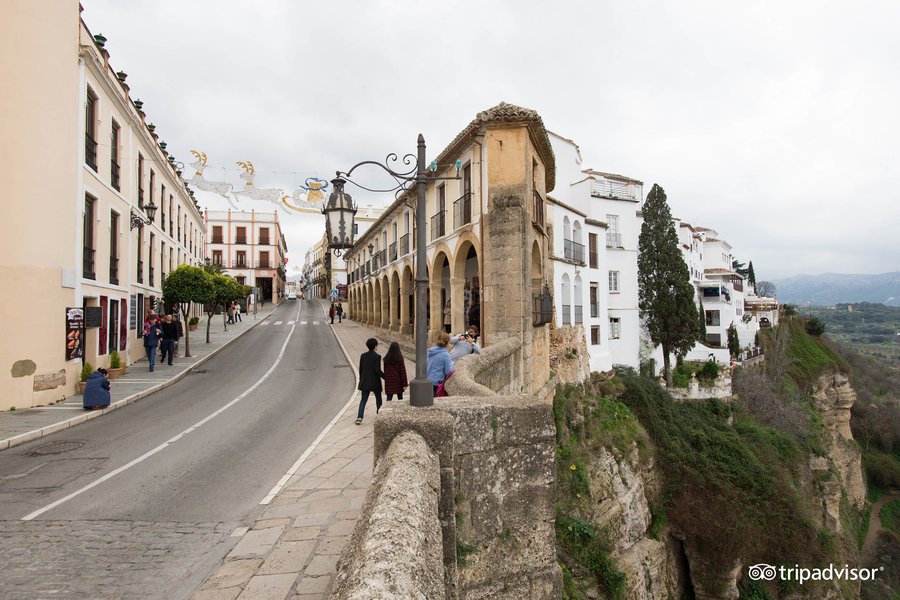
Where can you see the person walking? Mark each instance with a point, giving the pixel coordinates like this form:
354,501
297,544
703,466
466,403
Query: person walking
439,364
370,376
464,344
152,332
331,312
339,311
394,372
230,310
169,336
96,391
237,312
447,318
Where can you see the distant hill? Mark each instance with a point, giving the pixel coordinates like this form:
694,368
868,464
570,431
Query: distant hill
831,288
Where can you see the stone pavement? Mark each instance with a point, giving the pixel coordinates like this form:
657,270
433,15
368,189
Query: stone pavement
24,425
291,550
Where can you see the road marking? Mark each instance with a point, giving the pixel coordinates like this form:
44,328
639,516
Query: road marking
304,322
315,322
240,531
277,322
291,322
263,323
296,466
169,442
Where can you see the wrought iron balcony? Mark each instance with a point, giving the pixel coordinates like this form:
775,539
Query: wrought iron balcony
579,314
537,215
566,314
114,270
613,240
573,250
114,174
462,211
140,271
393,251
438,225
90,151
404,245
88,264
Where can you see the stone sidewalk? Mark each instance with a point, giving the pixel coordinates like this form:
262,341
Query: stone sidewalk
291,550
24,425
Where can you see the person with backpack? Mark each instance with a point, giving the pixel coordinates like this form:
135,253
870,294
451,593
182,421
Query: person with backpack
395,380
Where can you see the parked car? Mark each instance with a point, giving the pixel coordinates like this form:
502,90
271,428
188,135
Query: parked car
292,296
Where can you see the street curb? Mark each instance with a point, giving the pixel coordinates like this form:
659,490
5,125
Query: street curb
37,434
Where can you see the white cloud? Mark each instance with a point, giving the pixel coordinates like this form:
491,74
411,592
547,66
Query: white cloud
774,123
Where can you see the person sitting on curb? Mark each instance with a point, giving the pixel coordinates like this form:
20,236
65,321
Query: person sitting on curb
96,391
464,344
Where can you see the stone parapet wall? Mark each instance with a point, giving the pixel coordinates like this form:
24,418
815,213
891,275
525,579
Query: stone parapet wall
496,371
396,549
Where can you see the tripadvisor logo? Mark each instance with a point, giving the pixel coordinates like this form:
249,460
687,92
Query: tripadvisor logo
766,572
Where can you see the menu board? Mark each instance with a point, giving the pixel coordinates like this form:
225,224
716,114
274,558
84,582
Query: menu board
74,328
132,315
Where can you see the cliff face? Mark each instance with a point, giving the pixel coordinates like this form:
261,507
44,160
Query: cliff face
842,462
620,485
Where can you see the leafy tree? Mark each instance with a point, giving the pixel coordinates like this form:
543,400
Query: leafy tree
185,286
765,289
739,268
815,326
225,290
666,295
751,275
734,346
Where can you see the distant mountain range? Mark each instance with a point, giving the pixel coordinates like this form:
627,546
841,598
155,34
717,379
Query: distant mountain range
831,288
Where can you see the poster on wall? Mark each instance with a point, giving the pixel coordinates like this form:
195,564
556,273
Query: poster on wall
132,315
74,325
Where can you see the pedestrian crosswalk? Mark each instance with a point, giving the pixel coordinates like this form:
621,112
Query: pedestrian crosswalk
264,323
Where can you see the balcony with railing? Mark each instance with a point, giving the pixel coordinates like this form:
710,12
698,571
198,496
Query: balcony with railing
264,264
616,191
595,310
404,245
567,314
264,241
462,211
240,263
240,239
438,225
114,174
613,240
579,314
216,239
88,264
573,250
90,151
537,215
393,251
140,271
114,270
382,258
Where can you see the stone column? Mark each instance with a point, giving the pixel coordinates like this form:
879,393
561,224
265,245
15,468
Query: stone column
437,310
405,291
376,303
386,314
457,304
394,322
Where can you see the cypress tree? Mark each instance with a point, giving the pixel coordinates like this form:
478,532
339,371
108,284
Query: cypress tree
751,276
665,291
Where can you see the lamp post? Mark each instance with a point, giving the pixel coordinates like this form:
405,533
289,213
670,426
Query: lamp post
139,221
421,389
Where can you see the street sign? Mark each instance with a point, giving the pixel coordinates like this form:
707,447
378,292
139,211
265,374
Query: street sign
333,293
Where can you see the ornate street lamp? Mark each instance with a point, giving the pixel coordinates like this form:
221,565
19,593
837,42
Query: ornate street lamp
339,213
138,221
421,390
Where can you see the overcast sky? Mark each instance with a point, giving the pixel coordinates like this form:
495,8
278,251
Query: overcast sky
772,122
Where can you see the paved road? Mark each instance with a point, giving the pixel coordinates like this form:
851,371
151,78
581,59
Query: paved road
143,502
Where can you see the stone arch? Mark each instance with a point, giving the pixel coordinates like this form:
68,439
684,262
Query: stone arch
439,288
465,286
407,298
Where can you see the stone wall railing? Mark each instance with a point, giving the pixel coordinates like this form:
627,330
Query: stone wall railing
720,388
396,550
496,371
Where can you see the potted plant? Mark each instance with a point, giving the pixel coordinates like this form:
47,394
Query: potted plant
121,76
192,323
100,40
115,365
138,104
86,371
151,127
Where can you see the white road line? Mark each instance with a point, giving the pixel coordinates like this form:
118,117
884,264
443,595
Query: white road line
169,442
291,322
277,322
296,466
264,323
304,322
315,322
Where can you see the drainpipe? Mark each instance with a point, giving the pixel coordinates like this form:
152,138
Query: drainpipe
482,177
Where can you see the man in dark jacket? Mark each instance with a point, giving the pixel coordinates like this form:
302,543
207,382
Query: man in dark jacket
370,376
169,335
151,341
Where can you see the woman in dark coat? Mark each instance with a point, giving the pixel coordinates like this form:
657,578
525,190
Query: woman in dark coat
394,372
96,391
370,376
